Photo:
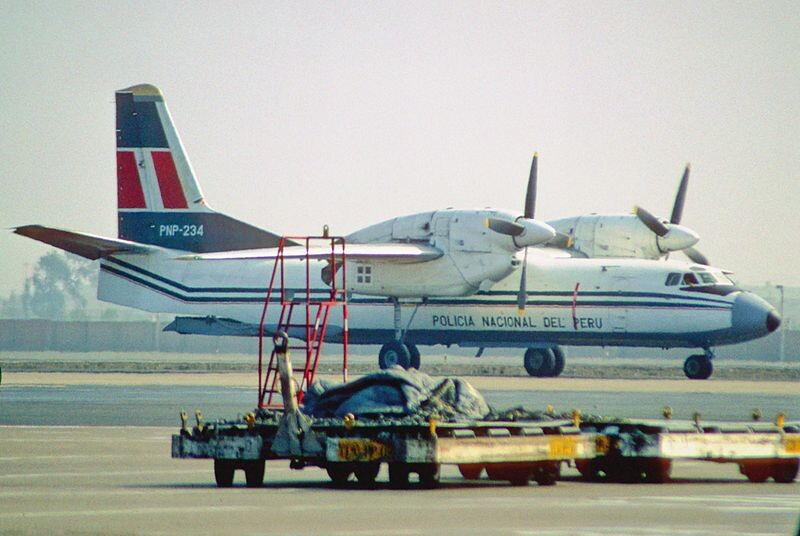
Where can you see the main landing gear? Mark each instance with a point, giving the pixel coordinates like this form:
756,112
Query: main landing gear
398,353
699,366
544,362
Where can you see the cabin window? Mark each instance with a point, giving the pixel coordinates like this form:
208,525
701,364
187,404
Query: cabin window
673,279
364,274
690,279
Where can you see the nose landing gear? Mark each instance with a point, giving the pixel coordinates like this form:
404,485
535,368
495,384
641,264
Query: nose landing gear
699,366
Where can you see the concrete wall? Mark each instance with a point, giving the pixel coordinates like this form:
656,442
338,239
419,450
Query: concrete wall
86,336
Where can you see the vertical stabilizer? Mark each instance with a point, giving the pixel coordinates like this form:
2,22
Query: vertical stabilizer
159,200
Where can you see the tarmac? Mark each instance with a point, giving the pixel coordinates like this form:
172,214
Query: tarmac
120,479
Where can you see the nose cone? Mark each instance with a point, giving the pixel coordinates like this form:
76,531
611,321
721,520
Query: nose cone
773,321
752,317
678,238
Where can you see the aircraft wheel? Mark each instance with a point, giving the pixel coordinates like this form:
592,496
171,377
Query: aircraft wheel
558,354
223,473
698,367
414,358
539,362
394,354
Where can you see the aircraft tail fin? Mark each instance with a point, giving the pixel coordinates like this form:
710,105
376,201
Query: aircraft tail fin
159,200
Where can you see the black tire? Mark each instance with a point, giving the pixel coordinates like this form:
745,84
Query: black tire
539,362
518,474
589,469
656,470
547,473
785,471
398,475
757,472
223,473
339,472
558,355
414,357
367,472
470,471
698,367
428,475
254,473
394,354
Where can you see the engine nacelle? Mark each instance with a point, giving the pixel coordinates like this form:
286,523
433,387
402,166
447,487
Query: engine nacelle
621,235
474,256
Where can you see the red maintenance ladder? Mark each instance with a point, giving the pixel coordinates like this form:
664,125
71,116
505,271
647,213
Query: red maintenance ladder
304,312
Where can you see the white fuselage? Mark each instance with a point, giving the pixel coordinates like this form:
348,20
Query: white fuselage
618,302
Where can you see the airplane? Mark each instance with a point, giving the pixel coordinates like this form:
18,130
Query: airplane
478,278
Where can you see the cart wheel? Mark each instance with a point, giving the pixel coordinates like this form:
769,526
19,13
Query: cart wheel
223,473
367,472
517,474
339,472
756,472
656,470
428,475
254,473
470,471
398,475
546,474
785,471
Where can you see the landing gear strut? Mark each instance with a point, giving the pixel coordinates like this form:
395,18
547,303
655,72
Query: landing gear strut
397,352
699,366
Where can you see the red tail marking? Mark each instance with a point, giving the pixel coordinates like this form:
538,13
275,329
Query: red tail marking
129,187
168,181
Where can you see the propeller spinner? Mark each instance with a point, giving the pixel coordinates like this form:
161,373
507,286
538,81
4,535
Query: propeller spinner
671,236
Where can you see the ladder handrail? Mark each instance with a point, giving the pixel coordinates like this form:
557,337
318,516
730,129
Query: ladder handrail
314,331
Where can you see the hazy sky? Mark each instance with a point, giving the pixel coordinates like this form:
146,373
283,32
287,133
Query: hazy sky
299,114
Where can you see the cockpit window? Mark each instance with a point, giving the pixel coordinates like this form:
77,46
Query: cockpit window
690,279
673,279
707,278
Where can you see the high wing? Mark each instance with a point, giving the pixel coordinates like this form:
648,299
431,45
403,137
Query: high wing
394,252
86,245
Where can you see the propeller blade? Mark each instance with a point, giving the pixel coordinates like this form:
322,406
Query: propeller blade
696,256
522,297
530,195
680,197
504,227
652,223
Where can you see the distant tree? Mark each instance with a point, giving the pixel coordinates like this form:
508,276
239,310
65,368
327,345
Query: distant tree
58,286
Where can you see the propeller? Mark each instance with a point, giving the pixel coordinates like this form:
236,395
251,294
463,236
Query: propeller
525,231
530,210
671,235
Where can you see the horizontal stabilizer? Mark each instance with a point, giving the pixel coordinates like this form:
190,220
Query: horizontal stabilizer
89,246
401,253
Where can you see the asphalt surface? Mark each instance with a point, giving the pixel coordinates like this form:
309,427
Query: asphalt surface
83,458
